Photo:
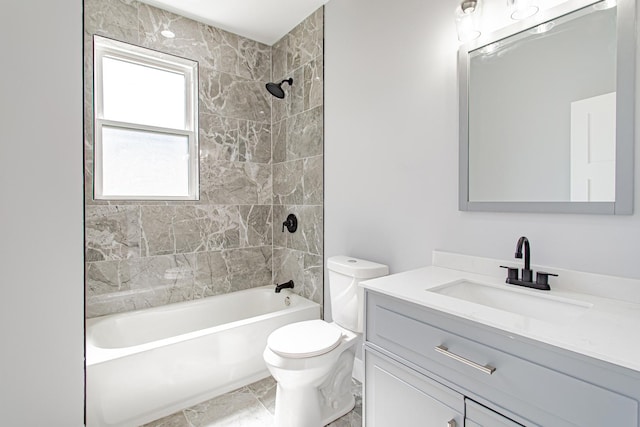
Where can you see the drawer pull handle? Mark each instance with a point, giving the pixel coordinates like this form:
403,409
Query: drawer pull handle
452,423
484,368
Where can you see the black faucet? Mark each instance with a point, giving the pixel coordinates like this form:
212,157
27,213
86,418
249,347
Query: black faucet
526,271
284,285
542,278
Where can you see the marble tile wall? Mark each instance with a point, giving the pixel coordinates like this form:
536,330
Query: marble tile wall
141,254
297,125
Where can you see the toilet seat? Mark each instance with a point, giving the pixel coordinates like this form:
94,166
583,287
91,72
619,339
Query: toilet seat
304,339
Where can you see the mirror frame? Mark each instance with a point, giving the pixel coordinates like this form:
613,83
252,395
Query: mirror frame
625,116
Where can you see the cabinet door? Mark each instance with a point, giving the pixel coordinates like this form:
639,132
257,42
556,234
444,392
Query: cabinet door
479,416
395,395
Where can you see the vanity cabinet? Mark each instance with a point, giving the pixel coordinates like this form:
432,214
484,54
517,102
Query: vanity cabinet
479,416
418,359
398,396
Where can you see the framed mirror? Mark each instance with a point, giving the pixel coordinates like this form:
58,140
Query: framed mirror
547,112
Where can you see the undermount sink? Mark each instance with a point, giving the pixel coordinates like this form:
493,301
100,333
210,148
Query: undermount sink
524,302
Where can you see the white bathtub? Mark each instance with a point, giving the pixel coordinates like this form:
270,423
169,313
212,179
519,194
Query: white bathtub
146,364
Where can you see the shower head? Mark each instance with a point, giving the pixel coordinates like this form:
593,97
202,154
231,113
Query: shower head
275,89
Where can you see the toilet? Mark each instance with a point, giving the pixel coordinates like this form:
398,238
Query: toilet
312,360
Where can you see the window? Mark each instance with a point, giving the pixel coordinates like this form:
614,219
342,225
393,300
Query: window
146,127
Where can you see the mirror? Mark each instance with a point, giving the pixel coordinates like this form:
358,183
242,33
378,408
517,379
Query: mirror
547,113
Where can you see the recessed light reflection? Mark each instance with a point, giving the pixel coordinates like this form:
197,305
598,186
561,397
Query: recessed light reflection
488,49
606,4
543,28
167,34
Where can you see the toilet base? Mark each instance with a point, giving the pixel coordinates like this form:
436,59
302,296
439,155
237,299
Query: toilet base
303,408
297,407
317,406
348,405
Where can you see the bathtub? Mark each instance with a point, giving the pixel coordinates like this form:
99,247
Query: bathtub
146,364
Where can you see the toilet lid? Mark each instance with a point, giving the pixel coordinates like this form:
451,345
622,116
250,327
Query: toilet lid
304,339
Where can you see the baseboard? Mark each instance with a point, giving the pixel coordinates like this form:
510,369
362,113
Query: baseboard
358,370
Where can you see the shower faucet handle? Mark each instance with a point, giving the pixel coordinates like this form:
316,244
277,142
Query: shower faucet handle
291,224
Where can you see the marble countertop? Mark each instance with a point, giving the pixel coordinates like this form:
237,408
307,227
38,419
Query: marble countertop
608,330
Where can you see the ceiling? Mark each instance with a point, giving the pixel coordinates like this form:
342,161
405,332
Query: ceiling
263,20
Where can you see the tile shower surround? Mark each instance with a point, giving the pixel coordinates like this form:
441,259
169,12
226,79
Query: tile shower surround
260,159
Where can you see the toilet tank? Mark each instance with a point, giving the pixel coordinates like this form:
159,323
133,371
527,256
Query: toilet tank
346,296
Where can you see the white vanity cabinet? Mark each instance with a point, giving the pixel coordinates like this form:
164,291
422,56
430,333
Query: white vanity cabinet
424,367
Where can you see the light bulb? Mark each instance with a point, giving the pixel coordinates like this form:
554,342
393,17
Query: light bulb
467,20
521,9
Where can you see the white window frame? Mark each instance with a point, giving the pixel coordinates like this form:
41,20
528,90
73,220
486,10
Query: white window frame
108,48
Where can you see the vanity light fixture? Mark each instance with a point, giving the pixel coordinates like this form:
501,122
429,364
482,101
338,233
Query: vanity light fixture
521,9
467,20
468,6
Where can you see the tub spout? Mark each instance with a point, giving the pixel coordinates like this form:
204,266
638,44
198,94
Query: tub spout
284,285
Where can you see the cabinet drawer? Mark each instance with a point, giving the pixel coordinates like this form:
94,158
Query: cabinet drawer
535,393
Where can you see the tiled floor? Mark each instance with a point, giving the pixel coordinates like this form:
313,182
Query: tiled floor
250,406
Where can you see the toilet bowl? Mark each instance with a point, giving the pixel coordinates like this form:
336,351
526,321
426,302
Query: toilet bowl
312,361
314,381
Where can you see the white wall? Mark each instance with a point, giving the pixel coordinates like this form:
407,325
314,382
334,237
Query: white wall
391,153
41,235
